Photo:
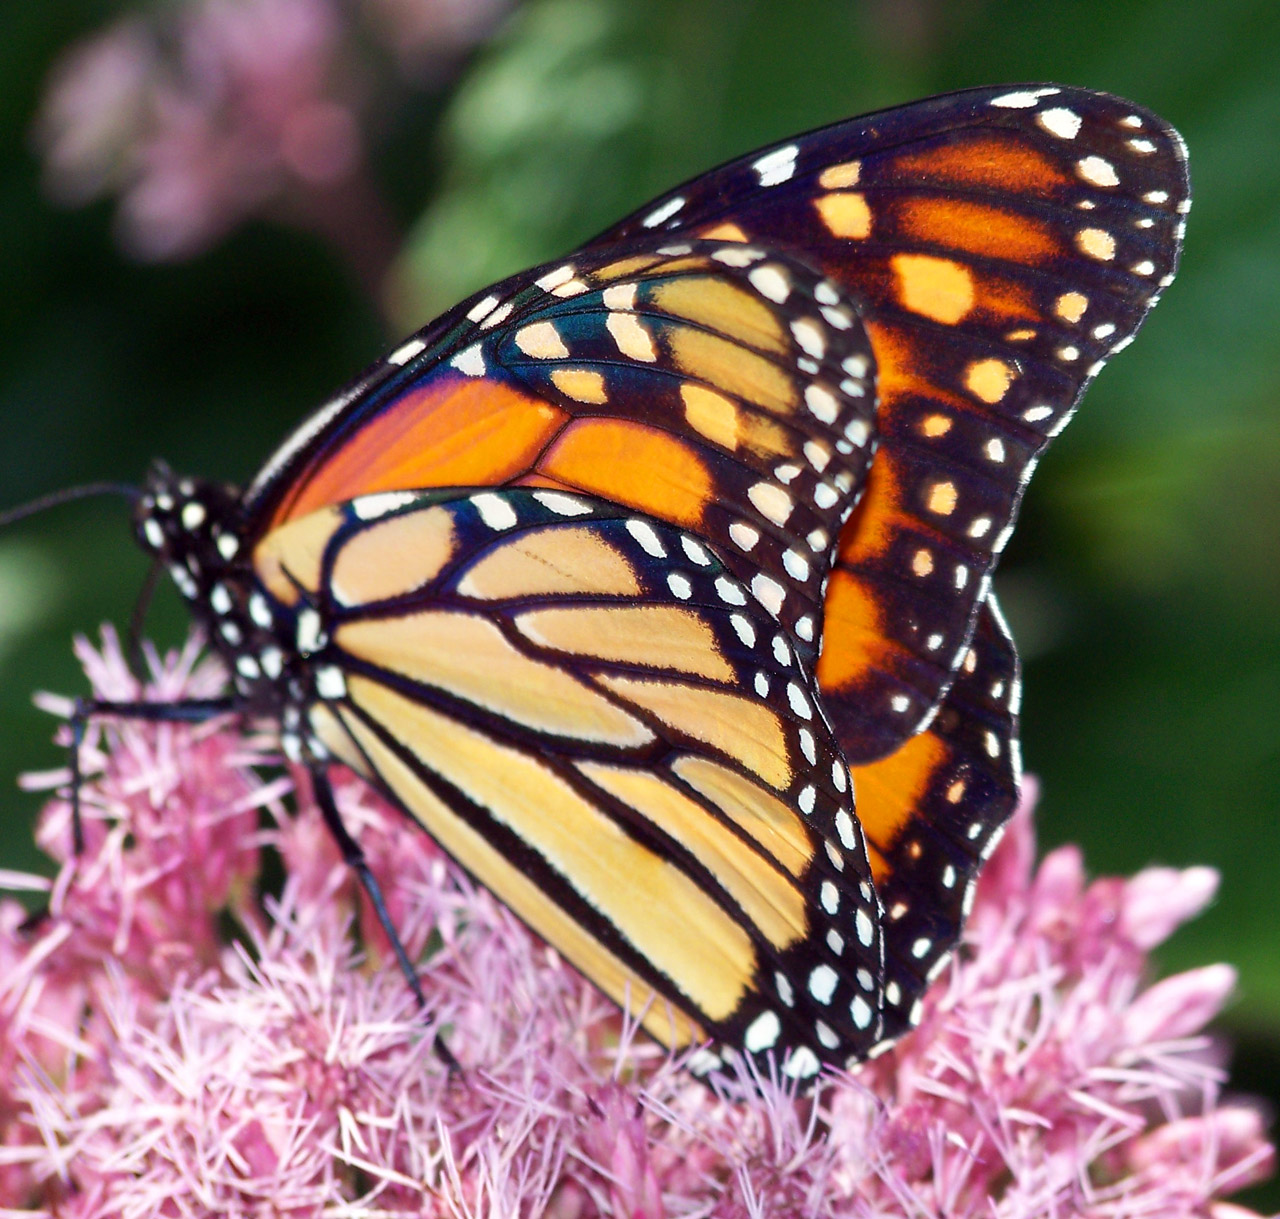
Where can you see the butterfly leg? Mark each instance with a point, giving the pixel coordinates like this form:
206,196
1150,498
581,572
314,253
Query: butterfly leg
355,859
189,711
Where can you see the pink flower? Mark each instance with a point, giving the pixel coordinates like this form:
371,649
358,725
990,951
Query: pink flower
218,110
175,1041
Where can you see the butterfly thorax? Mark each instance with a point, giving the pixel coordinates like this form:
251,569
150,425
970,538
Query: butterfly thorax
193,527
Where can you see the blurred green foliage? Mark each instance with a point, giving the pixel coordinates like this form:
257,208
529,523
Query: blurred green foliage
1144,581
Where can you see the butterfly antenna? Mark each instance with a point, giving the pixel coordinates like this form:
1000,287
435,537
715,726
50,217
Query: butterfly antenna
57,498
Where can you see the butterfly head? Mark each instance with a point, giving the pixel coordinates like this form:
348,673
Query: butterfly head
187,523
192,527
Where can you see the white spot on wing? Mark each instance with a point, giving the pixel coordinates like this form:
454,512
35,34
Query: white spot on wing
797,566
768,592
798,702
1022,99
860,1012
553,279
619,296
482,308
865,929
330,683
370,507
808,334
729,592
560,504
679,585
802,1064
822,403
542,341
773,501
822,983
498,315
406,351
762,1032
771,282
777,166
737,255
495,511
649,541
1098,170
695,551
470,361
663,212
309,634
1063,123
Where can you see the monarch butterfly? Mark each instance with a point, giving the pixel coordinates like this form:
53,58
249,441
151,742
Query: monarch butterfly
625,576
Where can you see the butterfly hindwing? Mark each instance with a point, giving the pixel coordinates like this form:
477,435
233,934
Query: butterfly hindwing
935,808
595,717
1004,243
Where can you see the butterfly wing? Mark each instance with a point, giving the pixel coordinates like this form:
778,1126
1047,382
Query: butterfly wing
1004,243
595,717
709,364
935,808
719,388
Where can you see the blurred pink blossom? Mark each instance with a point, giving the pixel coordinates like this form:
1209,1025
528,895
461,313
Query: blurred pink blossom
174,1043
212,111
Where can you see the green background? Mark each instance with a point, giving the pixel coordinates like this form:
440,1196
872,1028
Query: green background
1144,580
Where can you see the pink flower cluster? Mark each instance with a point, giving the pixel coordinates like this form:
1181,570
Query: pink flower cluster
215,110
173,1043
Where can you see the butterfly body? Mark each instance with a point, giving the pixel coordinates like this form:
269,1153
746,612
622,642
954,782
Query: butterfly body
189,524
654,581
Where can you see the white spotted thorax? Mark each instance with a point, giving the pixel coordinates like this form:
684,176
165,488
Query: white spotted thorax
270,650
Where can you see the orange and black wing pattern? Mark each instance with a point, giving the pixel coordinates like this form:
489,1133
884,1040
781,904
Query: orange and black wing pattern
649,561
719,388
934,809
594,716
1003,244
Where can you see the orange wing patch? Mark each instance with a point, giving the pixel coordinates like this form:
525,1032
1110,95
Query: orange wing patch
891,792
984,159
392,558
453,431
632,464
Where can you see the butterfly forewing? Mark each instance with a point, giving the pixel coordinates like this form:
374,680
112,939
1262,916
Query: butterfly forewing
588,710
721,388
1004,242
